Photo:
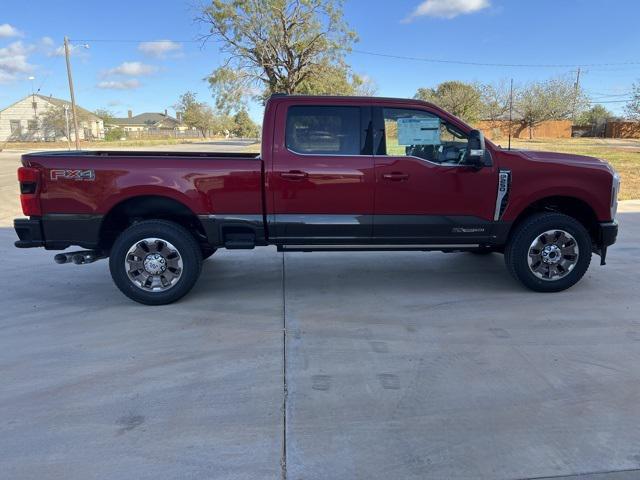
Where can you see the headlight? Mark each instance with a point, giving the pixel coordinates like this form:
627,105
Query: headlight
615,188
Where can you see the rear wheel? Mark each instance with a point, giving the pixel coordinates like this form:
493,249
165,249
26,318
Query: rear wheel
155,262
549,252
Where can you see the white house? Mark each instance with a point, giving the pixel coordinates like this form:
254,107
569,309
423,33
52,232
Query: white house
23,121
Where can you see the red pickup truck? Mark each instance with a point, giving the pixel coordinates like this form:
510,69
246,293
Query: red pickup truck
334,173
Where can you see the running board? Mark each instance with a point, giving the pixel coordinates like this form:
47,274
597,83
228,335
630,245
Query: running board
240,241
373,248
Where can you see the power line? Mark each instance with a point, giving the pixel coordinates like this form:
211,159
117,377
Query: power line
398,57
483,64
121,40
610,101
611,95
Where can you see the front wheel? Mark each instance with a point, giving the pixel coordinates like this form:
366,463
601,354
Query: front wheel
549,252
155,262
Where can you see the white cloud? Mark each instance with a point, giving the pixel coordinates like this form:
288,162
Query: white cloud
119,84
7,31
448,8
6,77
74,50
160,48
47,41
133,69
14,60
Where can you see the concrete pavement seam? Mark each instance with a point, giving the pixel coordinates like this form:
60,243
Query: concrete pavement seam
583,475
283,459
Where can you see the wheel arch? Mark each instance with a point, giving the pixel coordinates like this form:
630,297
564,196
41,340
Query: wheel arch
147,207
572,206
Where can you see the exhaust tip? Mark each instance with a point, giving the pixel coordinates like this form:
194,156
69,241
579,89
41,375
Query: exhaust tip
60,258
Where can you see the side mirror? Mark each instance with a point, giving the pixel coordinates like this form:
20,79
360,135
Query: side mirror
475,149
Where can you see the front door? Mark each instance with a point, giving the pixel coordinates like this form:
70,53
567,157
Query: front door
322,178
424,191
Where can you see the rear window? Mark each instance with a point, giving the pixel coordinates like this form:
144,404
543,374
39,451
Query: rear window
323,130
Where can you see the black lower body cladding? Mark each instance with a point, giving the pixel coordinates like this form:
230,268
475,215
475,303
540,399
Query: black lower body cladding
58,231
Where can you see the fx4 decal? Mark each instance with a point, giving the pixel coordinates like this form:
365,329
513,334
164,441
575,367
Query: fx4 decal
58,174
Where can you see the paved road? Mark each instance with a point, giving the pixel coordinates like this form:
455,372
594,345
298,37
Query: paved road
396,365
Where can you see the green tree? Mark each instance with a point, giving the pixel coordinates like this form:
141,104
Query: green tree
278,46
633,107
114,134
595,115
553,99
243,126
458,98
198,115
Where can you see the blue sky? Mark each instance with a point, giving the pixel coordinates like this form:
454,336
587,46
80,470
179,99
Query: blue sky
129,75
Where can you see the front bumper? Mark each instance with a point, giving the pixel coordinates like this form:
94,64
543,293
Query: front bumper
29,232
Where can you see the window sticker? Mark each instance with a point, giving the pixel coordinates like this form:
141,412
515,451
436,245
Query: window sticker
419,131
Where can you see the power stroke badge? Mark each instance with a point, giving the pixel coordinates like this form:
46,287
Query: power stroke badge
69,174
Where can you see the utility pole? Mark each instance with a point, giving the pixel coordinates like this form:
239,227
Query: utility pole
66,119
510,111
575,95
73,98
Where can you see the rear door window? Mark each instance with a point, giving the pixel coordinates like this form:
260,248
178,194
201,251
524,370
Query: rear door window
323,130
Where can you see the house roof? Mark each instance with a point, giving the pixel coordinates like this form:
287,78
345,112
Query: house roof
149,119
58,102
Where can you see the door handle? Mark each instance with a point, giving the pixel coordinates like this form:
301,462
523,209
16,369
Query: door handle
396,176
294,175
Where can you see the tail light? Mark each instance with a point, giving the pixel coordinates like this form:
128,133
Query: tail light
29,182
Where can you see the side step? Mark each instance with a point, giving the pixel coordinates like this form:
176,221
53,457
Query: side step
240,241
371,247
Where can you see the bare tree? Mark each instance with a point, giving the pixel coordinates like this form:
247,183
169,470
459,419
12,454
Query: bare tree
554,99
633,107
495,98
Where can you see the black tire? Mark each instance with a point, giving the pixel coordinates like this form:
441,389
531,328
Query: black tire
207,252
517,253
187,249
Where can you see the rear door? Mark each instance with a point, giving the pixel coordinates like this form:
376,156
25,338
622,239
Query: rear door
424,192
322,176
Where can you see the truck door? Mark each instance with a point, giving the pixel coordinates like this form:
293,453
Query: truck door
424,191
322,175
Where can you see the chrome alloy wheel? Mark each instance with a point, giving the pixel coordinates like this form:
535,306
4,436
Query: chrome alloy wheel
553,254
153,265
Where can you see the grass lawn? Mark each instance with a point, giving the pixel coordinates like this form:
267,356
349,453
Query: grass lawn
624,155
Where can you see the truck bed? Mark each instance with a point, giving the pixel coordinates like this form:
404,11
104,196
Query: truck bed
93,182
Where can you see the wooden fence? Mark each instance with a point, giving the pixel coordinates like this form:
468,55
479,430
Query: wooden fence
550,129
622,130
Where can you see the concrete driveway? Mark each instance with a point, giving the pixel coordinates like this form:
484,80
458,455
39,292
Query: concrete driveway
322,366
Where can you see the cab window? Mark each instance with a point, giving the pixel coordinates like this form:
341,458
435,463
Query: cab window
323,130
415,133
